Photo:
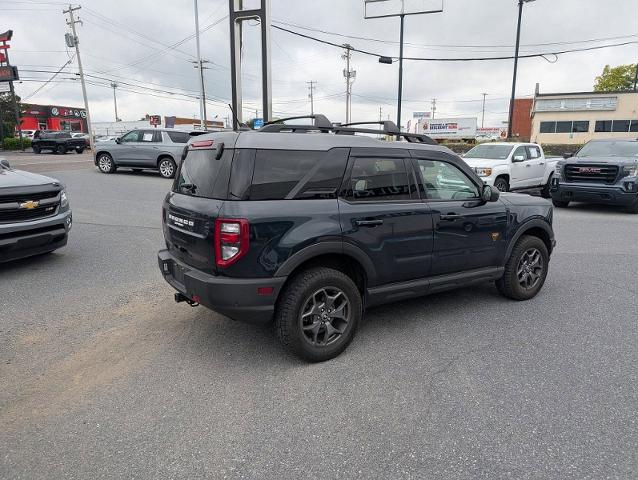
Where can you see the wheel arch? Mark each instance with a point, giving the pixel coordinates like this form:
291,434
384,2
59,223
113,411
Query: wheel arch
536,228
164,155
341,256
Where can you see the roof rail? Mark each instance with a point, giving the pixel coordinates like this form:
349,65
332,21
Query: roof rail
320,121
324,125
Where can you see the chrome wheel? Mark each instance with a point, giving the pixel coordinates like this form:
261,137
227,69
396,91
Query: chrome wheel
105,163
325,316
167,168
530,268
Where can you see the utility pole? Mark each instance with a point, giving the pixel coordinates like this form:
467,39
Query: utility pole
114,86
433,107
200,65
76,42
483,113
349,75
518,43
311,87
380,113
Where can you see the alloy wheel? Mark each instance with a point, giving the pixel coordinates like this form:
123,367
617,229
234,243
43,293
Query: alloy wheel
530,268
105,163
325,316
166,168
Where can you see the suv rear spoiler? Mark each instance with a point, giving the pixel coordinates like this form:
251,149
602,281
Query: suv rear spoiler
323,125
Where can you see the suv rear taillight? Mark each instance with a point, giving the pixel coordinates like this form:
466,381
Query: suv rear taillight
231,240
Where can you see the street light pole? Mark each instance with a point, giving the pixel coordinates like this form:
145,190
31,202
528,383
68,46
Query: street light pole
483,112
114,86
518,43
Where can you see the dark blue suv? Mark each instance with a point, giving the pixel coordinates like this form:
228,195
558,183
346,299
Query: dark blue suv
308,225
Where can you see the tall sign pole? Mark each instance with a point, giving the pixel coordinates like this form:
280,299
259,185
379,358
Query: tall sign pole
75,42
238,15
11,74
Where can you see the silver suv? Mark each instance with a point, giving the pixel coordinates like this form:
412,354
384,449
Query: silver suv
154,149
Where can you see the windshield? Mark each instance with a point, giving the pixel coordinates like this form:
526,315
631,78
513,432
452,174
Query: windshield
492,152
609,149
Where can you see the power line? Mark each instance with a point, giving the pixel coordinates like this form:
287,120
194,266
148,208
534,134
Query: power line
49,80
458,59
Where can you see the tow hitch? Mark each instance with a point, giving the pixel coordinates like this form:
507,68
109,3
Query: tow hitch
180,297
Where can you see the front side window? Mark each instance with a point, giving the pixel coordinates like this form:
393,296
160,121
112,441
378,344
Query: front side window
520,152
133,136
444,181
379,179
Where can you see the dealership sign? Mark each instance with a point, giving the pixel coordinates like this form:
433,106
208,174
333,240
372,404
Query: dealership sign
67,112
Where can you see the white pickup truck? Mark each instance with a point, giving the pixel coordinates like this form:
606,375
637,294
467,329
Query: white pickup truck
512,166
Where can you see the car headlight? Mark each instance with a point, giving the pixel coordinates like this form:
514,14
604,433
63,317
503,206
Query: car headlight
64,200
631,170
483,172
558,172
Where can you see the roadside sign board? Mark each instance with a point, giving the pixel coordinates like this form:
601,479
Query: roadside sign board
421,114
442,128
258,123
9,73
155,120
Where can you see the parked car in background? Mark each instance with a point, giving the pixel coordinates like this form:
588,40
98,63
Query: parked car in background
311,229
602,171
156,149
35,216
56,141
25,134
83,135
512,166
104,138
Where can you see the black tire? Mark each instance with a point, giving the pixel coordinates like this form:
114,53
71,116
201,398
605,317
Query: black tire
633,208
60,150
545,193
36,150
167,167
79,149
328,334
501,184
525,270
560,204
105,163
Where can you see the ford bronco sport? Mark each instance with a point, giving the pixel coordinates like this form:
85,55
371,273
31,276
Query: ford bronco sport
308,225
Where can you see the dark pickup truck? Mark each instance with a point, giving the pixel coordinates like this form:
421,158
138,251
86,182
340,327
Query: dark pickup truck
58,142
603,171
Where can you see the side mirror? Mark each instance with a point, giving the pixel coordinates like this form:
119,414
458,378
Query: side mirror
567,155
5,162
518,158
118,140
489,193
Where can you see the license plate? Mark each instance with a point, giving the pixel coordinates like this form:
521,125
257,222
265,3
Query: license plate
178,273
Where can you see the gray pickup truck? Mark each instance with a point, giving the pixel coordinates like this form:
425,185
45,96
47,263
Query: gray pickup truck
603,171
35,216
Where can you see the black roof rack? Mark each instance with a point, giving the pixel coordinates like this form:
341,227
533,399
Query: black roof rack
324,125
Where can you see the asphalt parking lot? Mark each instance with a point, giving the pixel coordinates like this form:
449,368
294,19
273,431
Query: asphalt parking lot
104,376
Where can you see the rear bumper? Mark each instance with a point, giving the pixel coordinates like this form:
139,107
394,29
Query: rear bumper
26,239
611,195
236,298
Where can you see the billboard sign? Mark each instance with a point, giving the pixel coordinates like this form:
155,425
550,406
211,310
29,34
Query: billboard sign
9,74
454,128
155,120
491,132
68,112
421,114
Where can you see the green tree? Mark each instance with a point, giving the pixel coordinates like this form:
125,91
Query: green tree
616,79
7,115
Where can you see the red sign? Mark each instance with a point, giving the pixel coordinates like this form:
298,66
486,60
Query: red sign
155,120
6,36
8,74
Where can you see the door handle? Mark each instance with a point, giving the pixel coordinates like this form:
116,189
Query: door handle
368,223
527,166
451,217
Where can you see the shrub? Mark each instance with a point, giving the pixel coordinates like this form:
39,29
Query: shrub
11,143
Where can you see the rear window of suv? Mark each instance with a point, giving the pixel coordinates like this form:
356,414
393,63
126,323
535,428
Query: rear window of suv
201,175
178,137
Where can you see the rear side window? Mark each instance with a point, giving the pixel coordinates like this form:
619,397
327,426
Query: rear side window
286,174
379,179
178,137
200,175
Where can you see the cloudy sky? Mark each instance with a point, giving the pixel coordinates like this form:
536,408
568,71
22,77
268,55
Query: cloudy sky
147,47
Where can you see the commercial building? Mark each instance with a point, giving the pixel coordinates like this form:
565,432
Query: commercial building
575,118
53,117
186,124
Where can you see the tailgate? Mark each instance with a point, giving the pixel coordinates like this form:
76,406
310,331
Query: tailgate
189,229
